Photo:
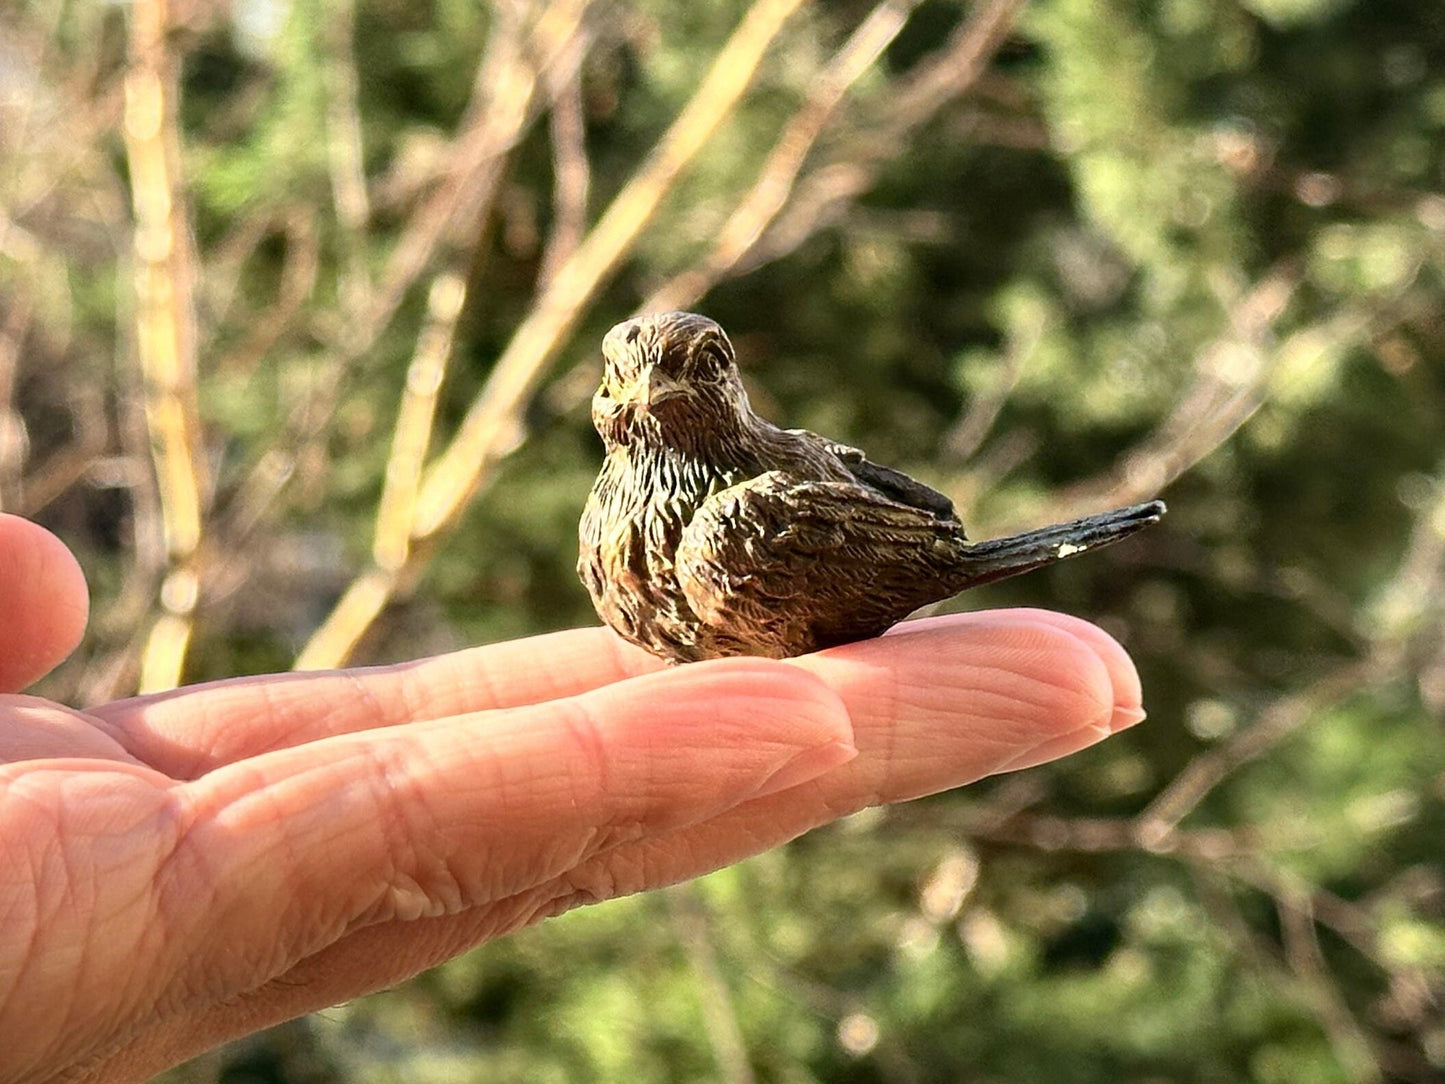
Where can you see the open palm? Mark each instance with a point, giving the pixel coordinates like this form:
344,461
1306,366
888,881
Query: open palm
179,869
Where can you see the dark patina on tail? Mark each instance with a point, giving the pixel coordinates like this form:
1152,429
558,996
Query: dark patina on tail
1000,558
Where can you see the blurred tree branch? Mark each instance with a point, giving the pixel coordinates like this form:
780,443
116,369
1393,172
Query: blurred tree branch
165,330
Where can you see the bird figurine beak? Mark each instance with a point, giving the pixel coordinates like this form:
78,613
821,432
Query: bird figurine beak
654,387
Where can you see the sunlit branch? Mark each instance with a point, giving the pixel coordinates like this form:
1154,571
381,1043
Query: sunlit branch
165,330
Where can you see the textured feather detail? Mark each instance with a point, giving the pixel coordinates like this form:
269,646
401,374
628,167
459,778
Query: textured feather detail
803,565
890,483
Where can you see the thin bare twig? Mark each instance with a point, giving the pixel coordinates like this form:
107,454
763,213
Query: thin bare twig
967,435
521,47
690,921
165,330
1231,382
47,479
779,172
503,105
1419,579
391,545
13,328
501,108
299,272
344,157
1303,954
571,171
1159,821
1302,908
825,192
962,63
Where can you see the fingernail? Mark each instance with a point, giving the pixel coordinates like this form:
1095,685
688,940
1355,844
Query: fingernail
1124,718
809,764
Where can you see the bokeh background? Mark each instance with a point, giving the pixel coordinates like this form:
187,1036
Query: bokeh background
299,312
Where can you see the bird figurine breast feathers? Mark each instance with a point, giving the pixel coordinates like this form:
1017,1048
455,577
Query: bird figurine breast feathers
712,532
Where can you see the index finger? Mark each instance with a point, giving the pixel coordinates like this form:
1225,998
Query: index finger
189,731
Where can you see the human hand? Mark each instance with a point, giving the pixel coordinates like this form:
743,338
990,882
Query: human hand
183,868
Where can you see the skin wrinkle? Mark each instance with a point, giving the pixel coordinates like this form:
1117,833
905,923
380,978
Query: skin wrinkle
401,806
1100,691
130,729
592,842
287,700
349,696
628,658
482,688
983,722
155,727
36,729
175,896
137,979
390,813
67,902
323,926
1096,729
274,706
497,918
159,712
175,887
619,833
1047,639
164,730
134,730
893,699
394,822
277,876
1030,705
603,872
750,827
584,734
1094,638
32,929
326,927
67,898
261,1007
978,733
366,696
584,730
206,755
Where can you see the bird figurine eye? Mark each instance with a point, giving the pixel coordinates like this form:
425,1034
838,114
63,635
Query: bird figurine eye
709,359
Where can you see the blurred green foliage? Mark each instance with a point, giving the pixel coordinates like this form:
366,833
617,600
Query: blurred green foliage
1193,246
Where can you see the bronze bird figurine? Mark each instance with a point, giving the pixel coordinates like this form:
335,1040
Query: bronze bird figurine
712,532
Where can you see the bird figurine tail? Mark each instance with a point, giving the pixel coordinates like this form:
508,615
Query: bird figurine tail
1000,558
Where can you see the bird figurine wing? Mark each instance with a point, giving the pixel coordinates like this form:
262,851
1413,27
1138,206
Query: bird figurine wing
765,556
891,483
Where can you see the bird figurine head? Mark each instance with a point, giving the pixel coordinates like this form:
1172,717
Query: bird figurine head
668,378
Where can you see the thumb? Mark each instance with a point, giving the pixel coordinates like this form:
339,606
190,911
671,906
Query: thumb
44,600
